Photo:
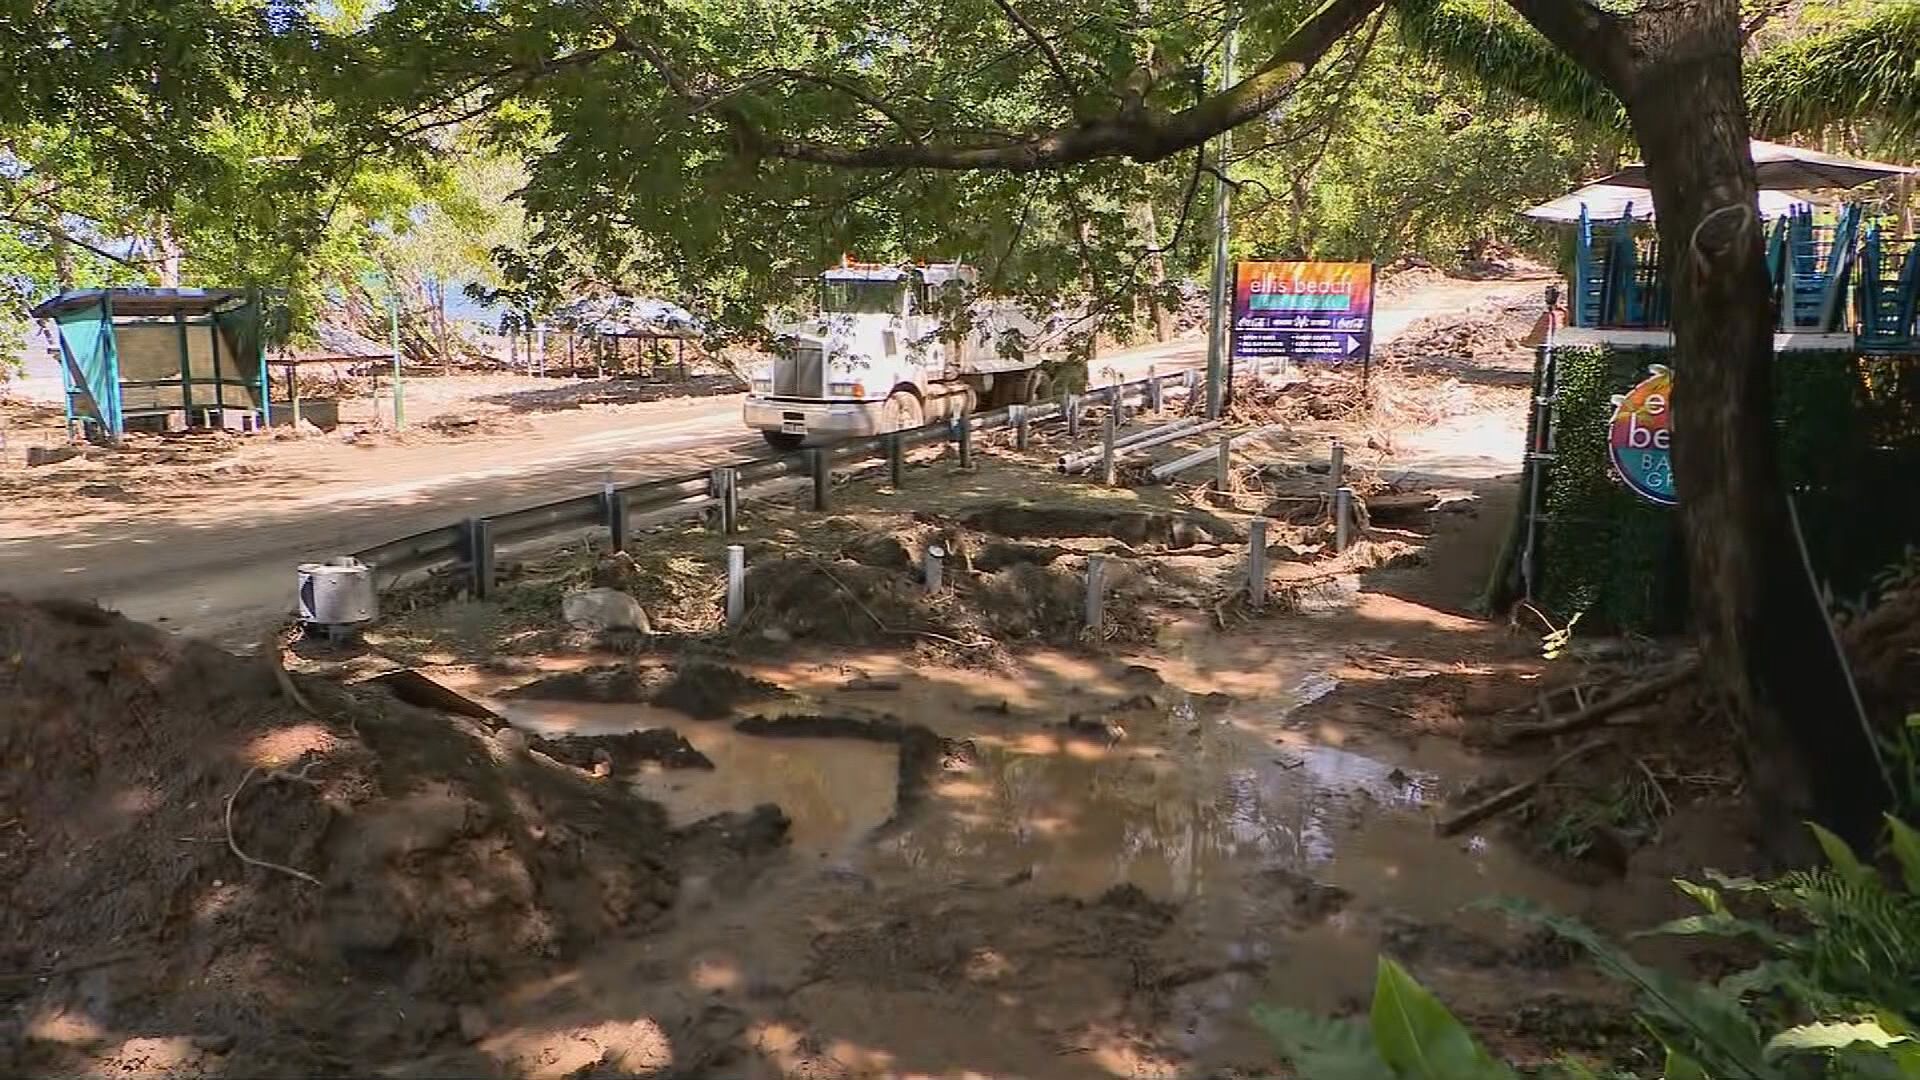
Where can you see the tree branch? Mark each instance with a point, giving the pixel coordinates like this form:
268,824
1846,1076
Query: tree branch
58,233
1593,38
1047,50
1143,136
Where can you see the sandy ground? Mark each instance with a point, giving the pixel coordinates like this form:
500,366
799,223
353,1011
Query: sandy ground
209,543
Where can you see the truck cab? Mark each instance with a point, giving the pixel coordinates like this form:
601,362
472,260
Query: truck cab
881,355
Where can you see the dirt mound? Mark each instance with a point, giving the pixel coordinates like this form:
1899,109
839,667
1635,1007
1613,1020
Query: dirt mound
1135,527
397,863
624,753
711,691
850,603
702,690
613,684
1885,648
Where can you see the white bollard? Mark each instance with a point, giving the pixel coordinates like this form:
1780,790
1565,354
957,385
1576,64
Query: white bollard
1337,468
1109,470
1223,469
1096,592
1257,562
736,584
1342,517
931,568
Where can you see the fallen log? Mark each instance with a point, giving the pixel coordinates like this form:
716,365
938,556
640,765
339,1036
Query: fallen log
1599,711
1508,798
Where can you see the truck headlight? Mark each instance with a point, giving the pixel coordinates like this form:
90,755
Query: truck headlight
855,390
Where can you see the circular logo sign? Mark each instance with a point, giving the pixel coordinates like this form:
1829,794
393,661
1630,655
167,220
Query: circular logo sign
1640,439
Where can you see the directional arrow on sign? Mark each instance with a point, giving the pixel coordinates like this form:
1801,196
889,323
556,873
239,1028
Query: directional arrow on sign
1353,344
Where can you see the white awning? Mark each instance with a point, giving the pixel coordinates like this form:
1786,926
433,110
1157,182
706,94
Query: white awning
1778,167
1610,202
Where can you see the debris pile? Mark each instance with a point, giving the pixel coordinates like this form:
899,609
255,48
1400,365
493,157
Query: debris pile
299,877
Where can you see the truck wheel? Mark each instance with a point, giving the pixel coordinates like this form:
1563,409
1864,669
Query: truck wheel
781,440
904,412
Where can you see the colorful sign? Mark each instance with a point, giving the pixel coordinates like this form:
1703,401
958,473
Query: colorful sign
1640,439
1317,312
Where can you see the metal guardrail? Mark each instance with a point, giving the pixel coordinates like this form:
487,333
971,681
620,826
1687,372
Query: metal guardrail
472,542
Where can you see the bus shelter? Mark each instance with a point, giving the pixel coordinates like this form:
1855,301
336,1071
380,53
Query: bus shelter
160,359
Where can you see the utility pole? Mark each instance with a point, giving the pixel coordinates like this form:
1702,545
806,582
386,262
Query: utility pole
1222,203
393,333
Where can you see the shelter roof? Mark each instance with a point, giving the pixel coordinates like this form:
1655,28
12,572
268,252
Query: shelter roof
142,301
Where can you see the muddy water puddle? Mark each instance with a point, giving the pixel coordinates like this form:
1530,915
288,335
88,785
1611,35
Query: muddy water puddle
1109,897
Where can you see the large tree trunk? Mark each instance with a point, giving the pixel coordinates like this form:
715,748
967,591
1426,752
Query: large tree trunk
1769,657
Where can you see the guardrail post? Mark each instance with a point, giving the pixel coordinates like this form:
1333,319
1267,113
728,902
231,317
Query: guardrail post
1257,562
1193,386
822,472
1022,429
1342,518
1073,416
736,585
1336,467
964,432
1223,468
480,557
1096,592
897,460
613,503
1109,469
1156,402
931,569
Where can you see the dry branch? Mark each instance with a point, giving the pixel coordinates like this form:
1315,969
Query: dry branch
1508,798
1599,711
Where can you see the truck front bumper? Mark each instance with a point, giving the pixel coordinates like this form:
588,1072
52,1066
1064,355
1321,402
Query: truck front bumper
848,420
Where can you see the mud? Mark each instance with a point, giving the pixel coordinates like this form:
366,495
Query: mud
704,691
625,753
422,863
850,603
1137,528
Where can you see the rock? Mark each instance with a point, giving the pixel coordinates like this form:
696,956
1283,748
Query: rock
602,610
779,635
215,1044
474,1024
48,455
512,740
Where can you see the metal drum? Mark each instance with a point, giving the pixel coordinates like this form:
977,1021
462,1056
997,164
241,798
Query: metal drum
337,593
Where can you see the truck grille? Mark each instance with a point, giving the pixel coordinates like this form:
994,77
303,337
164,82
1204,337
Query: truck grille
801,373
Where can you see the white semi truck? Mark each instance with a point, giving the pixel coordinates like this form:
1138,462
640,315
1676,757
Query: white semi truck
892,348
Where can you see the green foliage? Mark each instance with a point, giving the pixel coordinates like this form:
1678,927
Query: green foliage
1404,158
1860,70
1837,990
1852,942
1486,38
1605,552
1410,1036
1617,558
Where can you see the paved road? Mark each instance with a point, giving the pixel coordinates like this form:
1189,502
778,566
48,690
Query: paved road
221,563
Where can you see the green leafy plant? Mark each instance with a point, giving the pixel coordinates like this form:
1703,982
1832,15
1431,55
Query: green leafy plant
1408,1035
1839,989
1850,940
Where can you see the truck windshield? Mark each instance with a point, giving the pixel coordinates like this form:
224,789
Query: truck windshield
861,297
